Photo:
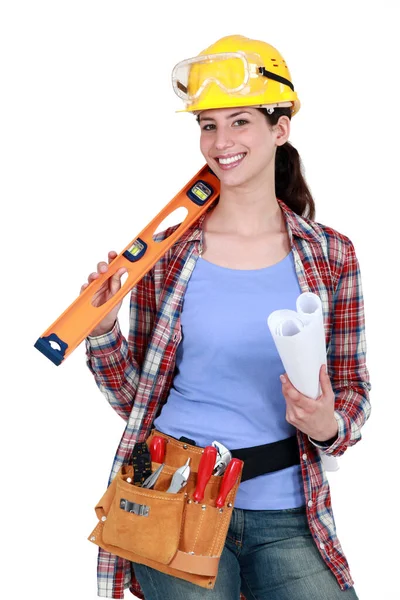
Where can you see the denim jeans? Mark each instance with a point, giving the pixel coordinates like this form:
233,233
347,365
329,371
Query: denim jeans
268,555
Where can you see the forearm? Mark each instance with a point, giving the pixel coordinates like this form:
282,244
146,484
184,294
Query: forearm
346,357
115,371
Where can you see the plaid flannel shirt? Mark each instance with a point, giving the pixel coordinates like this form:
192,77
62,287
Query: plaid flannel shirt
135,375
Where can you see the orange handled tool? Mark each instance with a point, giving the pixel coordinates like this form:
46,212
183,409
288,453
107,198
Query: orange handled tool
81,317
228,480
206,467
157,449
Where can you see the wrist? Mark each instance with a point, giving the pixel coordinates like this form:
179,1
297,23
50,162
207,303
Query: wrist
326,443
97,332
329,437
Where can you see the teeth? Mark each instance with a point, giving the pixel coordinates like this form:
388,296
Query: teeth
232,159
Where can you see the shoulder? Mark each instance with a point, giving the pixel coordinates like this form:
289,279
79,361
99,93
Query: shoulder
334,243
339,247
163,235
315,233
331,250
335,240
172,261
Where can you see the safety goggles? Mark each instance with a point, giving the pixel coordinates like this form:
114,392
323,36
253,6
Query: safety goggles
236,73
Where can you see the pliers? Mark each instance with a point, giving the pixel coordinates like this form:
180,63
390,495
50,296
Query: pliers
150,481
179,478
223,458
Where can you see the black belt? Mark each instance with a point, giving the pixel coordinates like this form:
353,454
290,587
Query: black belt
259,460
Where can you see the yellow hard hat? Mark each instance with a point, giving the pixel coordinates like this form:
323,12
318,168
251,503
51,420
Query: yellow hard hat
235,71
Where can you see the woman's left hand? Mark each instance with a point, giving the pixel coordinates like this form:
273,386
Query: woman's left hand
315,418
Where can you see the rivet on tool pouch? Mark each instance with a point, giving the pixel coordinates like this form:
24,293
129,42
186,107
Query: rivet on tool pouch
174,525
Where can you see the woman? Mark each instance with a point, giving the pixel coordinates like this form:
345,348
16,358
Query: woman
199,361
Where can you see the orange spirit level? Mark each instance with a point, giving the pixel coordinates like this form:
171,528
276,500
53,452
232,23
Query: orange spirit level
81,317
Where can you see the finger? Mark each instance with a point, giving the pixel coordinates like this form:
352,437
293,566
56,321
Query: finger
294,395
115,281
286,383
288,388
93,276
102,267
111,255
83,287
115,284
293,418
326,386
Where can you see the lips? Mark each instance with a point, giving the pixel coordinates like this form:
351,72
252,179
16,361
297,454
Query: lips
230,161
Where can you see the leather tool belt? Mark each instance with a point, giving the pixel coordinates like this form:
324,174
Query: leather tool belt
171,532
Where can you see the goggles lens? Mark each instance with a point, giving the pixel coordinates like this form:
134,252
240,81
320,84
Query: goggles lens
230,70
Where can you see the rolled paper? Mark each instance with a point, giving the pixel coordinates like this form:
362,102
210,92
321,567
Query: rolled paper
299,337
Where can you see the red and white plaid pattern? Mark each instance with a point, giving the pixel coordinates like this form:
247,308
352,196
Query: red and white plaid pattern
135,375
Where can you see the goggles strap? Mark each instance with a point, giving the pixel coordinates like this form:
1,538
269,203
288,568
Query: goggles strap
275,77
181,87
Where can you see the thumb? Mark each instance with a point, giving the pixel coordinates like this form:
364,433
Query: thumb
115,283
324,380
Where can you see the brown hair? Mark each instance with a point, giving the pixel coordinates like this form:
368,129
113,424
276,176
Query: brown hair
290,185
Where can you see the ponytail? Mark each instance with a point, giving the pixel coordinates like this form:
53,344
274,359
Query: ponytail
290,185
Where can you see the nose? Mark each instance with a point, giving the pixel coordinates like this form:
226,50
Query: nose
223,138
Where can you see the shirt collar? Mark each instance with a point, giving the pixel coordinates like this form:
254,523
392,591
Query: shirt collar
295,224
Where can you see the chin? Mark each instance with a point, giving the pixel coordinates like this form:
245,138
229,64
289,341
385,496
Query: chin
234,179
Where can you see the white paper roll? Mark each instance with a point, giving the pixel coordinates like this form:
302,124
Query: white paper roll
300,340
299,337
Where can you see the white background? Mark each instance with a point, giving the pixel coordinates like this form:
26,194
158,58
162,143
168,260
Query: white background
91,150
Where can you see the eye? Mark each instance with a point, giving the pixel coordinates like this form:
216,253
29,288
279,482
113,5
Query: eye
208,127
241,122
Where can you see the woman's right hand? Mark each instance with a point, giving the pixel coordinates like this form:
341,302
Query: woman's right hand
109,288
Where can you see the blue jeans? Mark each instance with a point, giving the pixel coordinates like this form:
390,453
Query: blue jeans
268,555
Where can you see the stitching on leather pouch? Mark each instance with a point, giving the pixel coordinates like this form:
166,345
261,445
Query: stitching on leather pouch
194,449
222,532
217,537
174,497
183,523
198,529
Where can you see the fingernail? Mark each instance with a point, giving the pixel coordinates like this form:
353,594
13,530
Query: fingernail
282,378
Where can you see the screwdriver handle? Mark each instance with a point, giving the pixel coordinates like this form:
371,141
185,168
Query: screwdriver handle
206,468
228,480
157,449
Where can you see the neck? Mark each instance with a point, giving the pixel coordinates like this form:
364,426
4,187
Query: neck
250,210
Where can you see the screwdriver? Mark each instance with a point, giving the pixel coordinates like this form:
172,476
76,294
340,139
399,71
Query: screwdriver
228,480
206,467
157,449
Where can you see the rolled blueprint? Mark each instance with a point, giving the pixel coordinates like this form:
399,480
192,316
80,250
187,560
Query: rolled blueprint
299,337
300,340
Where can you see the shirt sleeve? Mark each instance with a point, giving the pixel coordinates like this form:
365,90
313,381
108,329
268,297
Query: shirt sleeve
116,362
346,357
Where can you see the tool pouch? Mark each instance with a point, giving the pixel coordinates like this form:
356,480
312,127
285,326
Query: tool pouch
168,532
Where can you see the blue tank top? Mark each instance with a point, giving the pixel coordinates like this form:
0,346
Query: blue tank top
226,385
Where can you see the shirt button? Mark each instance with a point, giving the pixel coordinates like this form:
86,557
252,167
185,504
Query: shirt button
176,335
310,503
321,545
304,457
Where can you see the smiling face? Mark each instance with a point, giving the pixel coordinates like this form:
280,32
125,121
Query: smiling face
239,145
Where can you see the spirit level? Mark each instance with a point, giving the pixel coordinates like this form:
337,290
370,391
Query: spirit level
81,317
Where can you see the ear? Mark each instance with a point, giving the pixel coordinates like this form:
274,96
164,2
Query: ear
282,130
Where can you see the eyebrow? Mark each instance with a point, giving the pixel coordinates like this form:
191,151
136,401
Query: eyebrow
235,114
